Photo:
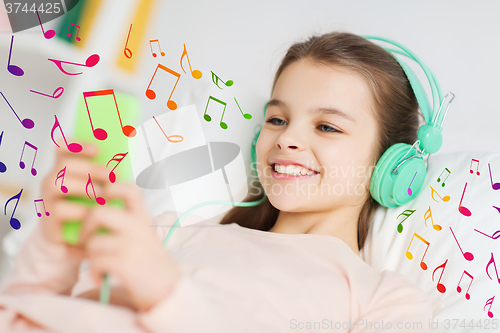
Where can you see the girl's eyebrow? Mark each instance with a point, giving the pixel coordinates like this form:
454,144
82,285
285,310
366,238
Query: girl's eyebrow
335,111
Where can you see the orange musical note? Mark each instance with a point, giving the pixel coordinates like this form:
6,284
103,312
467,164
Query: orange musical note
118,158
14,223
61,174
409,255
152,95
127,49
90,62
168,137
99,200
72,147
462,209
69,35
445,199
21,163
196,73
440,287
406,213
216,80
428,215
159,47
40,214
459,289
495,186
477,169
490,302
439,178
467,255
99,133
492,261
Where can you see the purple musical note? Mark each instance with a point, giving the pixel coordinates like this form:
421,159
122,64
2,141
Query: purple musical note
3,167
21,163
495,186
409,189
14,223
27,123
13,69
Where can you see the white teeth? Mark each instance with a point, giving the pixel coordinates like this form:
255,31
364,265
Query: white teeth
289,169
292,170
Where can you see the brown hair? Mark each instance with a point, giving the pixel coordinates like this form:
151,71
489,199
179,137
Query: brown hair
395,107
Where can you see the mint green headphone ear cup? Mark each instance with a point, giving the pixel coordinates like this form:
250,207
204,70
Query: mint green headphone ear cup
393,190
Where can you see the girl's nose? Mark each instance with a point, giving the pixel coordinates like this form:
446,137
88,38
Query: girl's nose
288,140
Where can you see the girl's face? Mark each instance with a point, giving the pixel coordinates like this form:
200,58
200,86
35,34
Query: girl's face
319,117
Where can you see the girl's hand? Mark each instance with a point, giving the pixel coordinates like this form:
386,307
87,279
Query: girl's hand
131,252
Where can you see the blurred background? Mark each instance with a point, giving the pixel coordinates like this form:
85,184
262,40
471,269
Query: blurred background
239,41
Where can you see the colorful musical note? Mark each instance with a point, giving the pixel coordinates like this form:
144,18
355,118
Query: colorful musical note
168,137
99,133
159,47
409,255
439,178
492,261
43,203
69,35
462,209
246,115
27,123
121,156
490,303
477,169
47,34
90,62
152,95
129,55
495,186
495,235
406,213
54,95
99,200
14,223
21,163
3,167
467,255
497,208
428,215
13,69
445,199
216,80
409,189
196,73
440,287
459,289
208,118
72,147
61,174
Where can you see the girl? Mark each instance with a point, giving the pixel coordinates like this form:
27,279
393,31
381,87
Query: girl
338,102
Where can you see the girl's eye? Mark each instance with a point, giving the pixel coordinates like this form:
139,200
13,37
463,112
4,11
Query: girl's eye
328,128
323,128
271,120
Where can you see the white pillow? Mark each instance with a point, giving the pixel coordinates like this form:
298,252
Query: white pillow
386,248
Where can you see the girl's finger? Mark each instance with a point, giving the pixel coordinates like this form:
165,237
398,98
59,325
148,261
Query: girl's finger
108,218
105,264
103,245
131,194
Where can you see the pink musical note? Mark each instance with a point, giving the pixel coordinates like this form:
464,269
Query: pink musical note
54,95
72,147
172,136
27,123
21,163
406,213
47,34
99,133
159,47
492,261
69,35
13,69
462,209
467,255
196,73
459,289
490,302
14,223
127,49
99,200
3,167
43,203
440,287
409,189
152,95
495,186
61,174
445,199
90,62
477,169
118,158
495,235
428,215
409,255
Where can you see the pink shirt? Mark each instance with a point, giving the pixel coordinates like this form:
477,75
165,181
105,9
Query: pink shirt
234,279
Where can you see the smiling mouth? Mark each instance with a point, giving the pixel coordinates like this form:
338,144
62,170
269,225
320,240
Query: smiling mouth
291,171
